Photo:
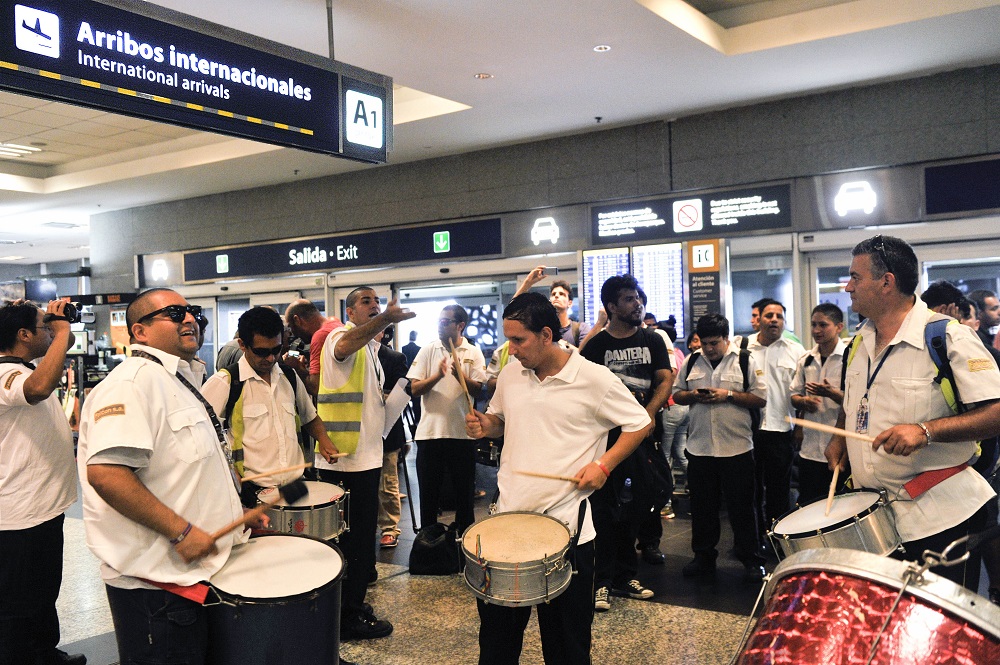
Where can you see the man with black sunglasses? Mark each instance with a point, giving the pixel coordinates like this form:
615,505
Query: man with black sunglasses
922,446
265,401
157,481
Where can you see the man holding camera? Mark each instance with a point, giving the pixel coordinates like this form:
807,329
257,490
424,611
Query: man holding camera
37,481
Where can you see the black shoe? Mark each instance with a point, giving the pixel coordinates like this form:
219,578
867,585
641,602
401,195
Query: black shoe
652,555
699,568
753,572
346,662
58,657
364,627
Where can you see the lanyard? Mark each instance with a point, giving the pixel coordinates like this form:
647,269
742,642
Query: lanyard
208,407
871,377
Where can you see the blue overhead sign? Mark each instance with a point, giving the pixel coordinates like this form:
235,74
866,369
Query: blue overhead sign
437,242
105,56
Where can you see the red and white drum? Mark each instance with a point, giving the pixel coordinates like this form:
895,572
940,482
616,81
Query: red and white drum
828,606
321,513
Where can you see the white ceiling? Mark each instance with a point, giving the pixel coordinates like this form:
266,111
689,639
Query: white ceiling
547,81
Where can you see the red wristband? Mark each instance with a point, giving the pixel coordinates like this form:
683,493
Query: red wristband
602,467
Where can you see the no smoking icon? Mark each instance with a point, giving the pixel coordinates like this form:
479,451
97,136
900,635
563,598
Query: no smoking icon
687,216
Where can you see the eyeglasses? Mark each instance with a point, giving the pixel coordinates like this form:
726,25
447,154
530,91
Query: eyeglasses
176,313
879,246
445,322
264,352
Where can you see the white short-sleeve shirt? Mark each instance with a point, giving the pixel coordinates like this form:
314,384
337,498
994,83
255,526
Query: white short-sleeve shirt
777,363
903,392
814,443
723,429
142,406
269,437
37,470
557,426
443,407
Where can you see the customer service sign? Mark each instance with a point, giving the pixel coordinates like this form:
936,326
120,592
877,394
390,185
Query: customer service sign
193,73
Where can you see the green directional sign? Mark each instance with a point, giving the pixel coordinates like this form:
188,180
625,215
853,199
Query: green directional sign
442,242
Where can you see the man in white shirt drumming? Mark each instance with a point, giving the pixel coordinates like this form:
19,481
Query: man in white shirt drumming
554,409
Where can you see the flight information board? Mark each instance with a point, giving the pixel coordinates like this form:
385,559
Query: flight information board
659,269
598,266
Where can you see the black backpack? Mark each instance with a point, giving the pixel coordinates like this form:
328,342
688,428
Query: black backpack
435,551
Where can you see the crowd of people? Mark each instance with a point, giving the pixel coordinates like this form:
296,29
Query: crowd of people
614,413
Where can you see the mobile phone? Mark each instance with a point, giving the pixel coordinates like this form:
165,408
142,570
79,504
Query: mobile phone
551,270
293,354
704,391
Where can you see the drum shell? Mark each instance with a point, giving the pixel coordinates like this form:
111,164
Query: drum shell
827,605
302,629
872,530
519,584
324,520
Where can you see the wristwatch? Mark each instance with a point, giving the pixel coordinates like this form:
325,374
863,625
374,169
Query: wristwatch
729,396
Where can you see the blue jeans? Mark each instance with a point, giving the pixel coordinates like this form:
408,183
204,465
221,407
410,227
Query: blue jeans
675,433
155,627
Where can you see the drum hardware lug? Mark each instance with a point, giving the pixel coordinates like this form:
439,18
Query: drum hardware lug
218,599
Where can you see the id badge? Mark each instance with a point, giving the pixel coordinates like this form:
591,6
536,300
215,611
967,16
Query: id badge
861,423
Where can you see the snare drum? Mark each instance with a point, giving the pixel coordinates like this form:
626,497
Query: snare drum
279,603
321,513
517,559
859,520
828,606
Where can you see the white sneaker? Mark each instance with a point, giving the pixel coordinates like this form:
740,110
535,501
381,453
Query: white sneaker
602,602
636,590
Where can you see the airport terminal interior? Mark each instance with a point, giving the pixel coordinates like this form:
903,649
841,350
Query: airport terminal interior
251,153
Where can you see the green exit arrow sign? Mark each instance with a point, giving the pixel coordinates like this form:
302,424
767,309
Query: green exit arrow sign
442,242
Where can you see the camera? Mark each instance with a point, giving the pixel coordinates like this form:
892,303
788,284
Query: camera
72,312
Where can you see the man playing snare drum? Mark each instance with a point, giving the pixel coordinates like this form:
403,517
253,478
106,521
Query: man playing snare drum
922,448
555,410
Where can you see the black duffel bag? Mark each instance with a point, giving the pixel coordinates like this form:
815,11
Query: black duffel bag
434,551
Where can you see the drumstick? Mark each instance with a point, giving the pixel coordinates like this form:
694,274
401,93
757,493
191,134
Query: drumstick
549,476
461,376
808,424
263,474
291,493
833,488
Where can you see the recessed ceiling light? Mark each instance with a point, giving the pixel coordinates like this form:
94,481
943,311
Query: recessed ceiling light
16,150
11,258
9,242
62,225
482,76
602,48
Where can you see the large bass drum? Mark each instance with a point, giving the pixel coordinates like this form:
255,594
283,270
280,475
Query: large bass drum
829,606
279,603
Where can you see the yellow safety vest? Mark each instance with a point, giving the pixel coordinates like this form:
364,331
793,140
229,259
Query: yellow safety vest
340,408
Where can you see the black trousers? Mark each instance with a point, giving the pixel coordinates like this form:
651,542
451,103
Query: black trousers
31,562
157,627
966,574
564,622
773,455
616,561
709,478
358,544
814,480
457,459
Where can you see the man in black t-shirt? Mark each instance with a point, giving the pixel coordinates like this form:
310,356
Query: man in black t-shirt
639,358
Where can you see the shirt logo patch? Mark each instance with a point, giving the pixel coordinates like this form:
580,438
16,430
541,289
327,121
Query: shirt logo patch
113,410
10,380
759,372
980,364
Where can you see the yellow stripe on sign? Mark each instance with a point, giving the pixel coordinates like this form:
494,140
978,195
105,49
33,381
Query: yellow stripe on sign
307,131
50,75
196,107
228,114
126,91
281,125
157,98
90,84
9,65
257,120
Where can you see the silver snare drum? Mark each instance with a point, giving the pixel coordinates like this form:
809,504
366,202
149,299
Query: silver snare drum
321,513
860,520
517,559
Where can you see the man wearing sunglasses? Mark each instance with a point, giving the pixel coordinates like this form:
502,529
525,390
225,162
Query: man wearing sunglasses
261,413
37,481
156,482
922,448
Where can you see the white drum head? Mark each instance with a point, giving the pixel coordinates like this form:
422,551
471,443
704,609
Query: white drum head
278,566
811,518
517,537
319,493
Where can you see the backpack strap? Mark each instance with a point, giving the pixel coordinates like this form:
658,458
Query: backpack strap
235,390
690,364
849,352
936,339
574,326
744,362
809,360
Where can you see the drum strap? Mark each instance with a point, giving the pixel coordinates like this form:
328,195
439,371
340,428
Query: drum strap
196,592
571,553
929,479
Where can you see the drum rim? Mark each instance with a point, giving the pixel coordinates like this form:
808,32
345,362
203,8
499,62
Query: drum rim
313,506
555,556
956,600
229,598
829,527
497,600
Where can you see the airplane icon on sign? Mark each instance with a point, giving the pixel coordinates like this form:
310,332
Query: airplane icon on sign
36,31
